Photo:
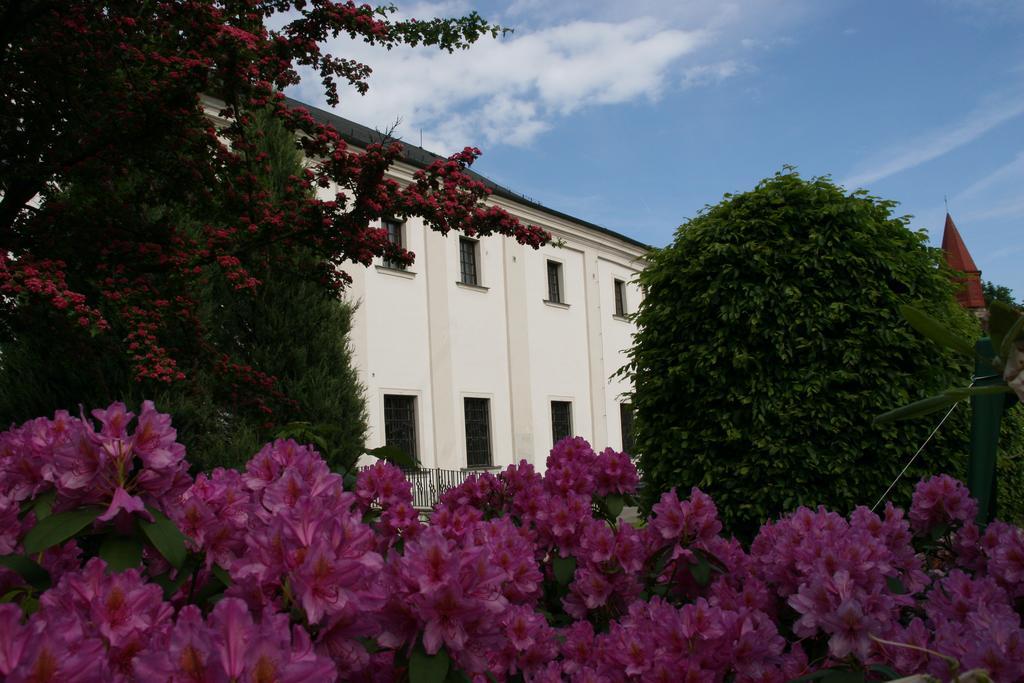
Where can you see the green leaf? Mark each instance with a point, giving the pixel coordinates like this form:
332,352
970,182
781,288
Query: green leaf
424,668
121,552
661,589
33,574
456,676
920,408
895,585
701,570
43,505
889,673
821,673
992,389
30,605
369,644
936,331
564,568
393,455
165,537
222,575
963,393
59,528
210,592
170,585
832,676
660,561
614,504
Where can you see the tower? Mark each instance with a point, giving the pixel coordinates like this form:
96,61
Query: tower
958,258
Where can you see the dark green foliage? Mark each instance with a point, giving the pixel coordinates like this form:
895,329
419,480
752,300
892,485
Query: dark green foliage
769,338
290,328
994,292
1010,467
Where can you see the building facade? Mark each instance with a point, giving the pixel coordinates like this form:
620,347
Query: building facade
484,352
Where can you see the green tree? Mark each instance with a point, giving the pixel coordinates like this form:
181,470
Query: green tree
292,328
994,292
768,339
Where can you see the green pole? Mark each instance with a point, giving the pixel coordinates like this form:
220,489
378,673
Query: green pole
986,414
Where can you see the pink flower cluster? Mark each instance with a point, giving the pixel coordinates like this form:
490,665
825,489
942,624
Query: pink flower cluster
290,577
121,470
101,626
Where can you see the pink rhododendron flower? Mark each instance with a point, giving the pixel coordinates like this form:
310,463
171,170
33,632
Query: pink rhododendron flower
941,500
328,584
123,502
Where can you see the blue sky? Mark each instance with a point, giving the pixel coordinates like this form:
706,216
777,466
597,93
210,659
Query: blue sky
635,115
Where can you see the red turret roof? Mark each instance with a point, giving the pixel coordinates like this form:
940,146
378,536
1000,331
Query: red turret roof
958,258
957,255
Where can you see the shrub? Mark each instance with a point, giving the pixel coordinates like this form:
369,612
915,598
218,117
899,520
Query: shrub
1010,467
284,575
770,336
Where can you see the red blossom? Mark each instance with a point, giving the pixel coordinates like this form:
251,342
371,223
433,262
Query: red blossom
130,98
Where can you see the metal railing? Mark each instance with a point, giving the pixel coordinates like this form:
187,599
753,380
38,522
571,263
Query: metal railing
428,484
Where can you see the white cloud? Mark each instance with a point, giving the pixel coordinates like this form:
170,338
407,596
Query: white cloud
561,59
709,74
936,143
1008,209
994,196
1011,173
432,10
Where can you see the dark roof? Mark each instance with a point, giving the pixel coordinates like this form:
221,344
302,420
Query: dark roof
360,135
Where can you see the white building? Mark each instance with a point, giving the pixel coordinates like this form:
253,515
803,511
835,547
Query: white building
484,351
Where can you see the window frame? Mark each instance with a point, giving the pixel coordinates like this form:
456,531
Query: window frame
567,405
398,238
474,251
619,287
414,427
556,284
472,462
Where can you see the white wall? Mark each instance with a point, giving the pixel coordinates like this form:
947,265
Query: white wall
558,345
616,337
423,333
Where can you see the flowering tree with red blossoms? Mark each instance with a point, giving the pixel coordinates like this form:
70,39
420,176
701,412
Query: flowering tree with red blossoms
116,565
104,90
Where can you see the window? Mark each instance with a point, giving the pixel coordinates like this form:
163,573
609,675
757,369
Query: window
467,262
620,298
626,421
561,420
394,229
478,431
555,282
400,424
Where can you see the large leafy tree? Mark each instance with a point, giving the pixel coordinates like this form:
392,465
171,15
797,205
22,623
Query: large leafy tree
769,338
291,327
112,94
